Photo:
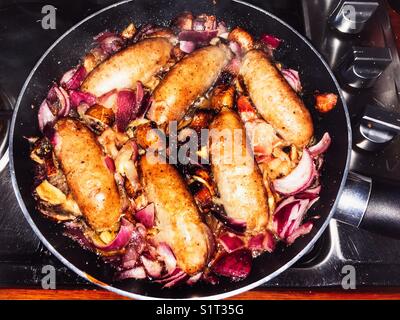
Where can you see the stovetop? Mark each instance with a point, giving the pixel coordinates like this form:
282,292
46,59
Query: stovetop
376,259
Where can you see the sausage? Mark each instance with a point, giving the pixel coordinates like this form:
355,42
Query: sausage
238,179
139,62
189,79
275,100
91,183
177,216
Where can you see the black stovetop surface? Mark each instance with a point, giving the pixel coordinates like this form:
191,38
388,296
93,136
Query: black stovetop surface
22,256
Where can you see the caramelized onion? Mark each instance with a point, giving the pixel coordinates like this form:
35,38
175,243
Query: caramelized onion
135,273
126,103
166,254
197,36
153,267
146,216
122,238
299,179
78,97
45,116
321,146
230,242
73,78
293,78
187,46
235,265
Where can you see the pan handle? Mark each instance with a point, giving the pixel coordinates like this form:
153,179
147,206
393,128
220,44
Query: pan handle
370,205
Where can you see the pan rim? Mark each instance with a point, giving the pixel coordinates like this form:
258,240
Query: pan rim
139,296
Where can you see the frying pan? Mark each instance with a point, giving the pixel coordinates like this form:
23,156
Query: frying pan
351,198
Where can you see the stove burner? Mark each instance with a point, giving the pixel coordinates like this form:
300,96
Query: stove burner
6,104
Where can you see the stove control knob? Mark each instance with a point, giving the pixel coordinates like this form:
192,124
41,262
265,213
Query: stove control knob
363,66
377,128
351,16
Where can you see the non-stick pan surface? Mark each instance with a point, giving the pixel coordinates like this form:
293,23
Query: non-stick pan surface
66,52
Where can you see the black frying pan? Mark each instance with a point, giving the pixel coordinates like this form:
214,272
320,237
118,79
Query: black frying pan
67,51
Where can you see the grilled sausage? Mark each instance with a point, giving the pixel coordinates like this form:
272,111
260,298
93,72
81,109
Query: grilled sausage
177,216
275,100
187,81
139,62
91,183
237,177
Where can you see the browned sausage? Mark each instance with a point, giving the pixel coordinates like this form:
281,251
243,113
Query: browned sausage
238,179
91,183
177,216
275,100
139,62
189,79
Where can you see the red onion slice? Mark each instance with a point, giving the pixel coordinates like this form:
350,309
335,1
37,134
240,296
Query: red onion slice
52,135
297,217
312,202
269,242
122,238
289,215
61,98
73,79
187,46
299,179
235,265
109,99
271,41
45,116
293,78
321,146
310,194
67,105
130,105
170,276
110,164
135,273
102,35
262,242
282,214
78,97
230,242
194,279
146,216
235,47
109,42
153,268
166,255
233,66
52,95
67,76
222,29
301,231
130,258
197,36
126,103
179,279
256,242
